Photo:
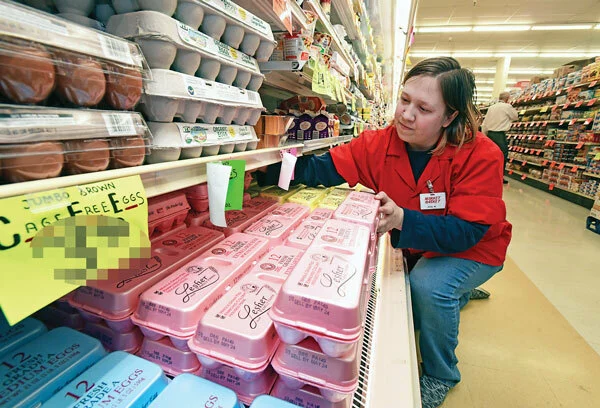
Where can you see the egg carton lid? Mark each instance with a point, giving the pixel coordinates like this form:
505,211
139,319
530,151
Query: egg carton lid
156,25
198,134
25,23
234,13
176,85
22,124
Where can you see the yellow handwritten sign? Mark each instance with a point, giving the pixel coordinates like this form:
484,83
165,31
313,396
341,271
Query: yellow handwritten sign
52,241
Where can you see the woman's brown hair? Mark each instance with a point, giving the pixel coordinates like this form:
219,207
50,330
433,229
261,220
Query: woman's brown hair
459,91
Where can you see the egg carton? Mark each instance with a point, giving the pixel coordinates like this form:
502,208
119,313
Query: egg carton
18,21
174,141
173,94
226,21
167,43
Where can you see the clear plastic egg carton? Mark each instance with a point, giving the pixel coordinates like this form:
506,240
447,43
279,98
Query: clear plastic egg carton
226,21
168,43
175,95
174,141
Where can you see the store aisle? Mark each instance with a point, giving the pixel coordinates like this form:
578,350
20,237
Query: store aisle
554,249
524,346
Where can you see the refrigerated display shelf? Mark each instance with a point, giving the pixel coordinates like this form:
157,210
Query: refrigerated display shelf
158,178
594,175
554,94
263,9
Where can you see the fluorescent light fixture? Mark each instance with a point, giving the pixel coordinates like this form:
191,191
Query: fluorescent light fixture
484,81
597,27
568,54
484,71
502,27
444,29
548,27
534,71
484,89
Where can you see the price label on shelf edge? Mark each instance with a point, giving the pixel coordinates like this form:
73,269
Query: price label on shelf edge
39,247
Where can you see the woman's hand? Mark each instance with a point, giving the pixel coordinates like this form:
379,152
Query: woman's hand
390,215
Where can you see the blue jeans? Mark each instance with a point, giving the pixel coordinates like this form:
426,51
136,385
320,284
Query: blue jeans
439,288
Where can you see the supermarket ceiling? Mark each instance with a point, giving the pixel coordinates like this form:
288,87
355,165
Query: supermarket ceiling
539,49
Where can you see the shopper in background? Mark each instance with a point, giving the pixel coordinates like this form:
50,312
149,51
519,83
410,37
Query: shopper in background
497,122
440,186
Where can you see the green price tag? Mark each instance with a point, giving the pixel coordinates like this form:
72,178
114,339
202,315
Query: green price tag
522,112
544,109
53,241
319,80
353,103
235,190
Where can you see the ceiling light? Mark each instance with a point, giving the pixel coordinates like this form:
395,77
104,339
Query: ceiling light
484,81
504,27
539,71
568,54
597,27
562,27
443,29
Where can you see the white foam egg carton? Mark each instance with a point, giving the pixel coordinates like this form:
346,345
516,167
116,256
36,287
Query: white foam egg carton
168,43
174,141
226,21
173,94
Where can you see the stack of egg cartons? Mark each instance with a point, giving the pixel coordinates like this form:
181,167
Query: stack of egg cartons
169,309
107,304
319,311
45,60
208,76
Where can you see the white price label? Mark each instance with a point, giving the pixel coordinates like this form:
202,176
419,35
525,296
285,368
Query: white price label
193,37
115,49
10,15
197,87
119,124
21,120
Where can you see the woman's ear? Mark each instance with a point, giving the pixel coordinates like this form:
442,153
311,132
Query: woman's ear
449,119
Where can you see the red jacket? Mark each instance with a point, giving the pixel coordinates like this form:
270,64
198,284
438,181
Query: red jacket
470,176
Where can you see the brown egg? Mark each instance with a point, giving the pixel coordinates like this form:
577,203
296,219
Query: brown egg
33,161
80,80
27,73
127,151
87,156
123,87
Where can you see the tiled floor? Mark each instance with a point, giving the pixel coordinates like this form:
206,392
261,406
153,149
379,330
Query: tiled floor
530,344
553,248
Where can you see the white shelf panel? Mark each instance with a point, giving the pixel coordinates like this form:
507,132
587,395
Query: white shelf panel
318,144
157,178
395,378
264,9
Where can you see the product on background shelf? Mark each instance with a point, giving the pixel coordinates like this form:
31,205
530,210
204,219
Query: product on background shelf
279,194
237,331
40,142
308,197
126,379
307,396
166,212
188,390
116,298
19,334
172,94
191,290
64,353
226,21
41,53
246,391
170,358
168,43
174,141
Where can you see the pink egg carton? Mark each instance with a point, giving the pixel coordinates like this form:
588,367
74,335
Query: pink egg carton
362,197
274,228
322,295
307,396
237,221
343,235
237,330
246,391
306,363
53,316
171,359
197,219
112,340
197,191
304,235
279,261
327,393
358,212
260,205
116,297
247,197
175,305
320,214
199,204
166,211
293,211
159,236
122,325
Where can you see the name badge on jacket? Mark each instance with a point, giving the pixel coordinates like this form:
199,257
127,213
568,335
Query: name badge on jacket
433,201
